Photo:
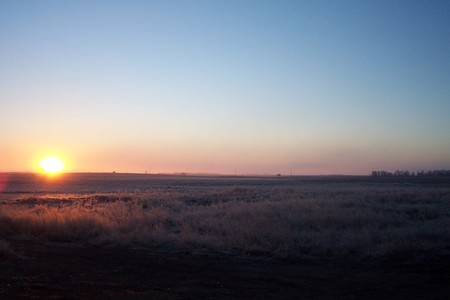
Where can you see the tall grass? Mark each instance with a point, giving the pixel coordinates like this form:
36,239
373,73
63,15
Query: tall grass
295,222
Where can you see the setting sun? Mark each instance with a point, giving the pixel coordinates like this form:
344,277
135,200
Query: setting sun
52,165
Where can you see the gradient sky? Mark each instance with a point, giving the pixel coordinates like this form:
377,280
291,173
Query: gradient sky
316,87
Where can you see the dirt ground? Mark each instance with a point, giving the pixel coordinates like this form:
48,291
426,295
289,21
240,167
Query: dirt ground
44,270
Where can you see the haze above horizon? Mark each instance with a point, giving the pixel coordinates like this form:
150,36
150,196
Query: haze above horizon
253,87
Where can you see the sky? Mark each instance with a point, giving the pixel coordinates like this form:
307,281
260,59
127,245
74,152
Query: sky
248,87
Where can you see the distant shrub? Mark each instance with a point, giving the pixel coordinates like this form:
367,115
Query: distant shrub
406,173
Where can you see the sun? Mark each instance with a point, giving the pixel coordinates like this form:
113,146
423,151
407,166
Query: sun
52,165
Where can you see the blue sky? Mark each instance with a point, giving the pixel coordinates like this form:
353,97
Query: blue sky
316,87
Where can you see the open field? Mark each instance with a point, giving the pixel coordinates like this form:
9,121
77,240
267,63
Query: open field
177,237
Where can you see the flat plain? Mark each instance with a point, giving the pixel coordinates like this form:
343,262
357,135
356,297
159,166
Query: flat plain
146,236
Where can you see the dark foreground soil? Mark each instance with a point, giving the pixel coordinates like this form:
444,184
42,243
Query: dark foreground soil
70,271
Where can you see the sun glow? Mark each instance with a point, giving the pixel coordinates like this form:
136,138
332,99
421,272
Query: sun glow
52,165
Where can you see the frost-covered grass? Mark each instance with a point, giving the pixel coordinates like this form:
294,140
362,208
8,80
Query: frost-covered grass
326,220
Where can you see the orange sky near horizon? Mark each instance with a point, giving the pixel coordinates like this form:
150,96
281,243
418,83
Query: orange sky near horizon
242,159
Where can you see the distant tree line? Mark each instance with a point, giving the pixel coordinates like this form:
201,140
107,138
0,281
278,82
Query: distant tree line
403,173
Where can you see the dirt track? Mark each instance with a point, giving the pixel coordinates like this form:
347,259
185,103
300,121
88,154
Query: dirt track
69,271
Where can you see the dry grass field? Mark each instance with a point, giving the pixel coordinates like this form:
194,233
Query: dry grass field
293,226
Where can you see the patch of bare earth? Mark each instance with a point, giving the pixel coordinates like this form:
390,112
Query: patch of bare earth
43,270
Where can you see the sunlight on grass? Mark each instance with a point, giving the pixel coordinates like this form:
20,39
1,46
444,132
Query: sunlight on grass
285,223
